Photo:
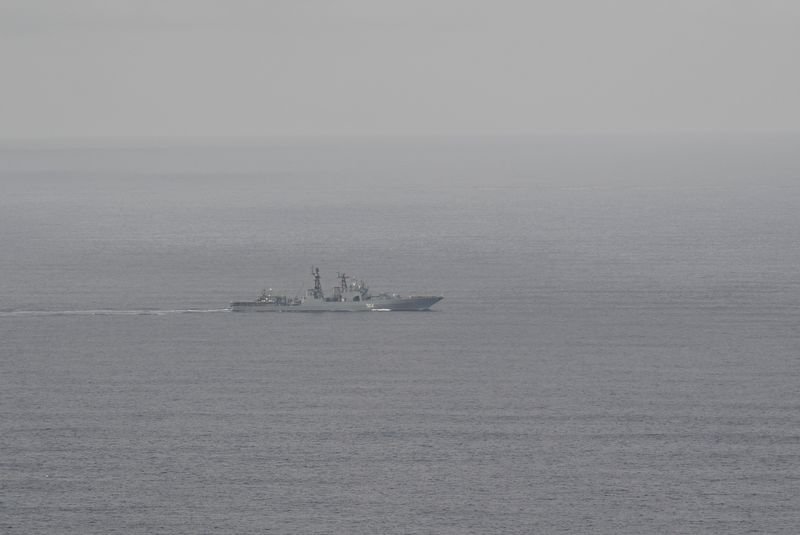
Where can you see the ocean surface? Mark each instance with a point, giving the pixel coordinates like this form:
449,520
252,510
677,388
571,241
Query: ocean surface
618,350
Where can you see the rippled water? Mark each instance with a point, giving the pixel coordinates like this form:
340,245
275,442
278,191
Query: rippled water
617,351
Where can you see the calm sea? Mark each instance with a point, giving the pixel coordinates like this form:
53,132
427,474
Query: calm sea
618,350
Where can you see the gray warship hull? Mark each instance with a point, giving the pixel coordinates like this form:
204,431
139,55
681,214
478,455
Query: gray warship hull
347,297
414,303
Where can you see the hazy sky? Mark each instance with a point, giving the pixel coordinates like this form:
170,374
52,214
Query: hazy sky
140,68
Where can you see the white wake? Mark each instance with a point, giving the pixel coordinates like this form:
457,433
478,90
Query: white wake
111,312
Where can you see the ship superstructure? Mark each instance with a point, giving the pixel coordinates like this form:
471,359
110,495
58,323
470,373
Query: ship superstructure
351,295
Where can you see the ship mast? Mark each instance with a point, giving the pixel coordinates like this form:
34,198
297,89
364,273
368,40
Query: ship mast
317,283
343,278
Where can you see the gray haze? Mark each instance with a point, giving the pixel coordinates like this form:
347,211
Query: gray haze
98,69
606,193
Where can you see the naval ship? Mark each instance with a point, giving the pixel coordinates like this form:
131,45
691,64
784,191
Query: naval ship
349,296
